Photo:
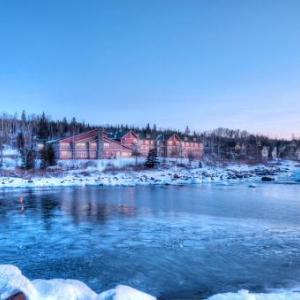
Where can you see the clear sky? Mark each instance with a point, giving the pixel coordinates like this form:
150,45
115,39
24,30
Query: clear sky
202,63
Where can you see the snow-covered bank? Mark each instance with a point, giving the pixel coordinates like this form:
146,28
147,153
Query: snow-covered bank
12,281
246,295
91,176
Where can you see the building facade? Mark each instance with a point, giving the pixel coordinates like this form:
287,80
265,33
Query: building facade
90,145
97,144
175,146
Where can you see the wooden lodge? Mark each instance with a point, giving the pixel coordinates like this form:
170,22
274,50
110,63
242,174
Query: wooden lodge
97,144
179,147
90,145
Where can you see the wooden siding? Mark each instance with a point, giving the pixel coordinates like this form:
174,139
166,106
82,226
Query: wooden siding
96,145
86,146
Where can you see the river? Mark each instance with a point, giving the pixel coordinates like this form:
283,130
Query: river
185,242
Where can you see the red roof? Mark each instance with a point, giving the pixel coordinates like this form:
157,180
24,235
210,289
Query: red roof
81,137
90,135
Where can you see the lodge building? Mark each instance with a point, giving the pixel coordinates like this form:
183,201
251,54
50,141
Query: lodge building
98,144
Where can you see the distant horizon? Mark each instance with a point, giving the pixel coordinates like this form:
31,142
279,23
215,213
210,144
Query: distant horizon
206,64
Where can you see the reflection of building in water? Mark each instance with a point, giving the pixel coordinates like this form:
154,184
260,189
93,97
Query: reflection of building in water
88,204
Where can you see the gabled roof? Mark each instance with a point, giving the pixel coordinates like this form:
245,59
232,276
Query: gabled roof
109,140
165,137
90,136
183,138
85,136
147,136
131,132
117,135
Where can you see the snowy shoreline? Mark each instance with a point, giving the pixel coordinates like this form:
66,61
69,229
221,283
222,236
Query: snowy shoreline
13,282
280,173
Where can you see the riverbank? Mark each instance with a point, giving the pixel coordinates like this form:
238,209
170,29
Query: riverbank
15,286
283,171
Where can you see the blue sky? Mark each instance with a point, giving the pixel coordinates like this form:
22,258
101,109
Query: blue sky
174,63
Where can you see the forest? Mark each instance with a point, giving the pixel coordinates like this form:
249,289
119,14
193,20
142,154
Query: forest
220,143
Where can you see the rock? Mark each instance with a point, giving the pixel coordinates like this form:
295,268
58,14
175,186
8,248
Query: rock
17,296
267,178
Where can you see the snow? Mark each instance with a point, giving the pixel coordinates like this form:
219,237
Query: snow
99,165
10,151
119,172
11,158
246,295
88,175
13,281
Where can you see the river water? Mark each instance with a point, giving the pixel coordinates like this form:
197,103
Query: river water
184,242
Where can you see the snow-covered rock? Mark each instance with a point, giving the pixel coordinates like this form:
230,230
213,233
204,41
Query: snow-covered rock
12,281
246,295
170,176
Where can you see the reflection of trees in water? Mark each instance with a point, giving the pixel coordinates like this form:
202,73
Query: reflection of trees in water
49,205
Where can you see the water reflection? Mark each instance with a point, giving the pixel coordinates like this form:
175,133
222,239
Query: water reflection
169,241
89,205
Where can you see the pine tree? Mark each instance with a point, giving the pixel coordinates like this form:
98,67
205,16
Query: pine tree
28,159
148,128
51,155
23,117
47,155
152,161
20,141
43,129
187,130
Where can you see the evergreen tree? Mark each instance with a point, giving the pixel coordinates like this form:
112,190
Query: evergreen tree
20,141
43,129
187,130
148,128
47,156
23,117
152,161
28,159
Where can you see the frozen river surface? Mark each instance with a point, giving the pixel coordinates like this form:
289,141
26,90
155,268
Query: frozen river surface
185,242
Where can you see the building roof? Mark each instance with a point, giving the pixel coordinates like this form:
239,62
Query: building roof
184,138
90,136
117,135
81,137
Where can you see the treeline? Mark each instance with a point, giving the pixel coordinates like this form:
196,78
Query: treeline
25,131
37,127
224,143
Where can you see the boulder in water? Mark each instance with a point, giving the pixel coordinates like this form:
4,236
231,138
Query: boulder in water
267,178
